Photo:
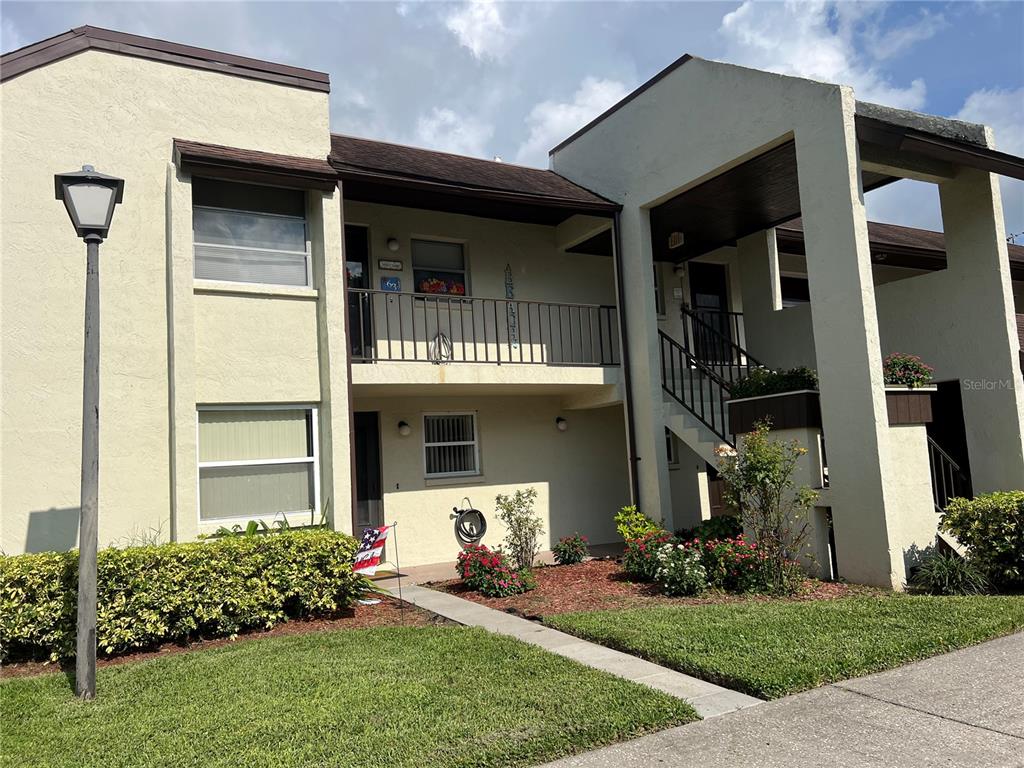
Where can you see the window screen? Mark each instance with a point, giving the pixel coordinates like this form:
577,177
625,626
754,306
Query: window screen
439,267
450,444
249,234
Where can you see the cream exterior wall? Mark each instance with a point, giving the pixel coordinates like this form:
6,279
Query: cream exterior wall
580,474
914,528
121,114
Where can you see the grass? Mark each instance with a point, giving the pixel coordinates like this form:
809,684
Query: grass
770,649
437,696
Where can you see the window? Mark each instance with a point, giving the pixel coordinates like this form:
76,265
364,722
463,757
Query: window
439,267
450,444
249,234
795,291
671,450
257,463
659,296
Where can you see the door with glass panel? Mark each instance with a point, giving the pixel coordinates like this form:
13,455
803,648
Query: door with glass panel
709,302
369,506
357,276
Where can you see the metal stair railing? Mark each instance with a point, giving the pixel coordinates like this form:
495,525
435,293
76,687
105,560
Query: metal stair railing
695,386
716,349
948,480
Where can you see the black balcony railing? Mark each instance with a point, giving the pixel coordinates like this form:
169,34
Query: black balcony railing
386,325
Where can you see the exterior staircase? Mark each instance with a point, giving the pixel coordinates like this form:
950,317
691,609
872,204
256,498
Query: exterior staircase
697,376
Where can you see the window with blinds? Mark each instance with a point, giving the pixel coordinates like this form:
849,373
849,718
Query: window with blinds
450,444
245,233
257,464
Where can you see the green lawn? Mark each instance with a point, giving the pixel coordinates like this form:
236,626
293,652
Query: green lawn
437,696
770,649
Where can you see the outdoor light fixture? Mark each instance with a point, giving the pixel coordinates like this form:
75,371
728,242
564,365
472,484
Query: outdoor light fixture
404,429
561,424
90,198
393,244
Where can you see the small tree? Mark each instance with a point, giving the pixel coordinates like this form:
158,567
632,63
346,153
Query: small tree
523,524
759,484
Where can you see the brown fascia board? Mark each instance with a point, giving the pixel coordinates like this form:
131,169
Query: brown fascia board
427,185
623,102
251,165
95,38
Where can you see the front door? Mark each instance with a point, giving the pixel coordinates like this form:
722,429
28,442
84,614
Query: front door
360,300
709,300
369,507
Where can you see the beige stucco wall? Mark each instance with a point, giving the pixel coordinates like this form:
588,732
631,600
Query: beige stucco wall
913,527
579,474
120,114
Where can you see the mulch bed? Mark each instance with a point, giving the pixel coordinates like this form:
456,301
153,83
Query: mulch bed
384,614
597,585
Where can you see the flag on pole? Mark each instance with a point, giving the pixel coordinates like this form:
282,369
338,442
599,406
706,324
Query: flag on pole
370,548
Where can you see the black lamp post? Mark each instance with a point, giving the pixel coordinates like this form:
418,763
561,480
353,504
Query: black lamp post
90,198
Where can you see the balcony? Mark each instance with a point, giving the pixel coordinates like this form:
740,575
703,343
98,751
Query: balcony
422,339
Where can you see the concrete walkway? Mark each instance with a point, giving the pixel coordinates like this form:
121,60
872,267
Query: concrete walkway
962,709
709,700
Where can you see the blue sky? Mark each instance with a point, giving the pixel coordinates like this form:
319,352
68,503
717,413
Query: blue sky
512,79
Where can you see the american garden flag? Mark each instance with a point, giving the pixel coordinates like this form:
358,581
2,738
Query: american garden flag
370,549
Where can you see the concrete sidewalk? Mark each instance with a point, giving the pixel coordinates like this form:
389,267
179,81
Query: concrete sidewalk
964,708
709,700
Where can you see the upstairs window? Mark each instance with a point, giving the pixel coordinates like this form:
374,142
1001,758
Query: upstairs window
439,267
245,233
450,445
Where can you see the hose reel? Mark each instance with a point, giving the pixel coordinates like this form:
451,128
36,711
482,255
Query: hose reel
470,523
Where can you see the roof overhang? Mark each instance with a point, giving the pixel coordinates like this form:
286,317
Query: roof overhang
373,186
95,38
251,166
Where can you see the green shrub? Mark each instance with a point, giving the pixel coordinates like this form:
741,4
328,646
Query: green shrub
722,527
764,381
991,526
737,565
173,592
680,571
523,526
631,523
640,560
942,574
910,370
570,550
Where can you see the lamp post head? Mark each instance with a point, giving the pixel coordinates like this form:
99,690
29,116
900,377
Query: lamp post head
90,198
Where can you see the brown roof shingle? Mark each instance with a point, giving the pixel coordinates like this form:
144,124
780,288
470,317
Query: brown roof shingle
306,170
364,157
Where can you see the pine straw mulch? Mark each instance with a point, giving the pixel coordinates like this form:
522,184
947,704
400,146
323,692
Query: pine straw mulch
601,584
386,613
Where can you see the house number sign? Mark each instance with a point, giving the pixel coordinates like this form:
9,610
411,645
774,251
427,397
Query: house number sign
389,265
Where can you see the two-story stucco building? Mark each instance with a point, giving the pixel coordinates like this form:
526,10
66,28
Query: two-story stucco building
298,324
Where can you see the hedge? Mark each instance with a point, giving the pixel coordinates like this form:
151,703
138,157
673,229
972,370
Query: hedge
174,592
991,526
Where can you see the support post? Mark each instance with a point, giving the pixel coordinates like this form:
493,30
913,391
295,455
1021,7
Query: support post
85,659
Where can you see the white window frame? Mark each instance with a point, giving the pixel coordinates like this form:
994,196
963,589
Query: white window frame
475,443
314,460
671,448
307,253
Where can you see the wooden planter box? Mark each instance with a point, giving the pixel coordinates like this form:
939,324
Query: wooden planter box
909,406
787,410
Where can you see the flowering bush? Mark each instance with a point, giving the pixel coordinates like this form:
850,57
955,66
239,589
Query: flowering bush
631,523
910,370
738,565
570,549
764,381
486,571
680,571
640,560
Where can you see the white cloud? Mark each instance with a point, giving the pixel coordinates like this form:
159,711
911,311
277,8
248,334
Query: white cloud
893,42
833,42
479,26
449,131
1003,110
552,121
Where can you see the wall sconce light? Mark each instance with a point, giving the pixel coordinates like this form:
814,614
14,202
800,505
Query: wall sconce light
393,244
404,429
561,424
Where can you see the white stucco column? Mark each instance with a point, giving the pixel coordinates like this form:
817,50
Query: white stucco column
982,348
846,339
645,364
757,257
